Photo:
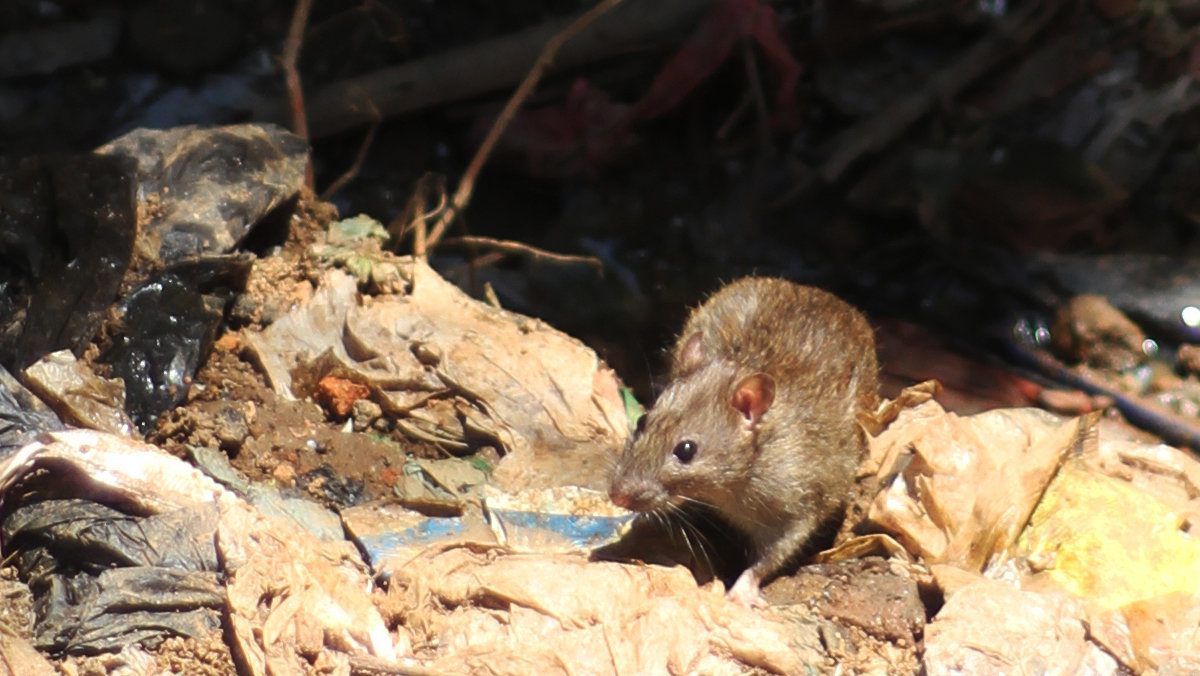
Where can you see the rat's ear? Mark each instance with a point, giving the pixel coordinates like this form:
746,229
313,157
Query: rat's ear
753,396
691,357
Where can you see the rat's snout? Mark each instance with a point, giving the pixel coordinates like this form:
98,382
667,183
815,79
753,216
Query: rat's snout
639,496
620,499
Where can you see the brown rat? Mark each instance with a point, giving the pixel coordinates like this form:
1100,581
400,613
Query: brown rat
760,421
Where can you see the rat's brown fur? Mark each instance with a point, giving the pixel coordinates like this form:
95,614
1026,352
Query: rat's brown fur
779,475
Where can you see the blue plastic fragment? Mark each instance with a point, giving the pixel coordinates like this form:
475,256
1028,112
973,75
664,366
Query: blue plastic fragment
429,531
581,530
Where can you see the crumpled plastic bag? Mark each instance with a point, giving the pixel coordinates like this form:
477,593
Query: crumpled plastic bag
105,579
967,486
22,415
289,597
1093,539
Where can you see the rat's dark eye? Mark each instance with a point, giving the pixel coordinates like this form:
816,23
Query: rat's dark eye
641,424
685,451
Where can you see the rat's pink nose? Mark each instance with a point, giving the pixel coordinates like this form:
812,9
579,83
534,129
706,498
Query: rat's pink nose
638,496
621,500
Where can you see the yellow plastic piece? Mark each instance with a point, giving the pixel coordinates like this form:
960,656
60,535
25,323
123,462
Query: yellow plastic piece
1105,540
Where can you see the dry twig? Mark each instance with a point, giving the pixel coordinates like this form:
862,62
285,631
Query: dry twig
754,83
354,168
289,59
415,216
366,665
510,246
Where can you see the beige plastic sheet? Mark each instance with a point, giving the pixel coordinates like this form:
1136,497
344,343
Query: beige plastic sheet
1024,633
497,613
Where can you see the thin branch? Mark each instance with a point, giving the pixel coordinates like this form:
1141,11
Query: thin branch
369,665
356,166
736,116
527,250
414,217
754,83
290,57
462,196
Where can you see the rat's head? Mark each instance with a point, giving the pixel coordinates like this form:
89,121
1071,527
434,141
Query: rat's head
697,443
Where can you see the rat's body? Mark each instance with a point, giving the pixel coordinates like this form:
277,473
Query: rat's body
761,419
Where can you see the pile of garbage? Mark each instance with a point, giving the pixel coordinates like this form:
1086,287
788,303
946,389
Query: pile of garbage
1010,539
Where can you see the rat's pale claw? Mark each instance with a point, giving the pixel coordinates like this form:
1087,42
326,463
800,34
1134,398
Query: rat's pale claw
746,592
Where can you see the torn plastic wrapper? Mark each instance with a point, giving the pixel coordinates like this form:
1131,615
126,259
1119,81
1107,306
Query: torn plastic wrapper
391,534
1102,539
104,579
77,394
436,501
1024,632
78,243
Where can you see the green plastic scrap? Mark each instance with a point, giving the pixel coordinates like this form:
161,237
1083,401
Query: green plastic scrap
633,410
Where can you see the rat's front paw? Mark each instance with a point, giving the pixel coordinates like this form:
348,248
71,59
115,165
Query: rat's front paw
746,592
